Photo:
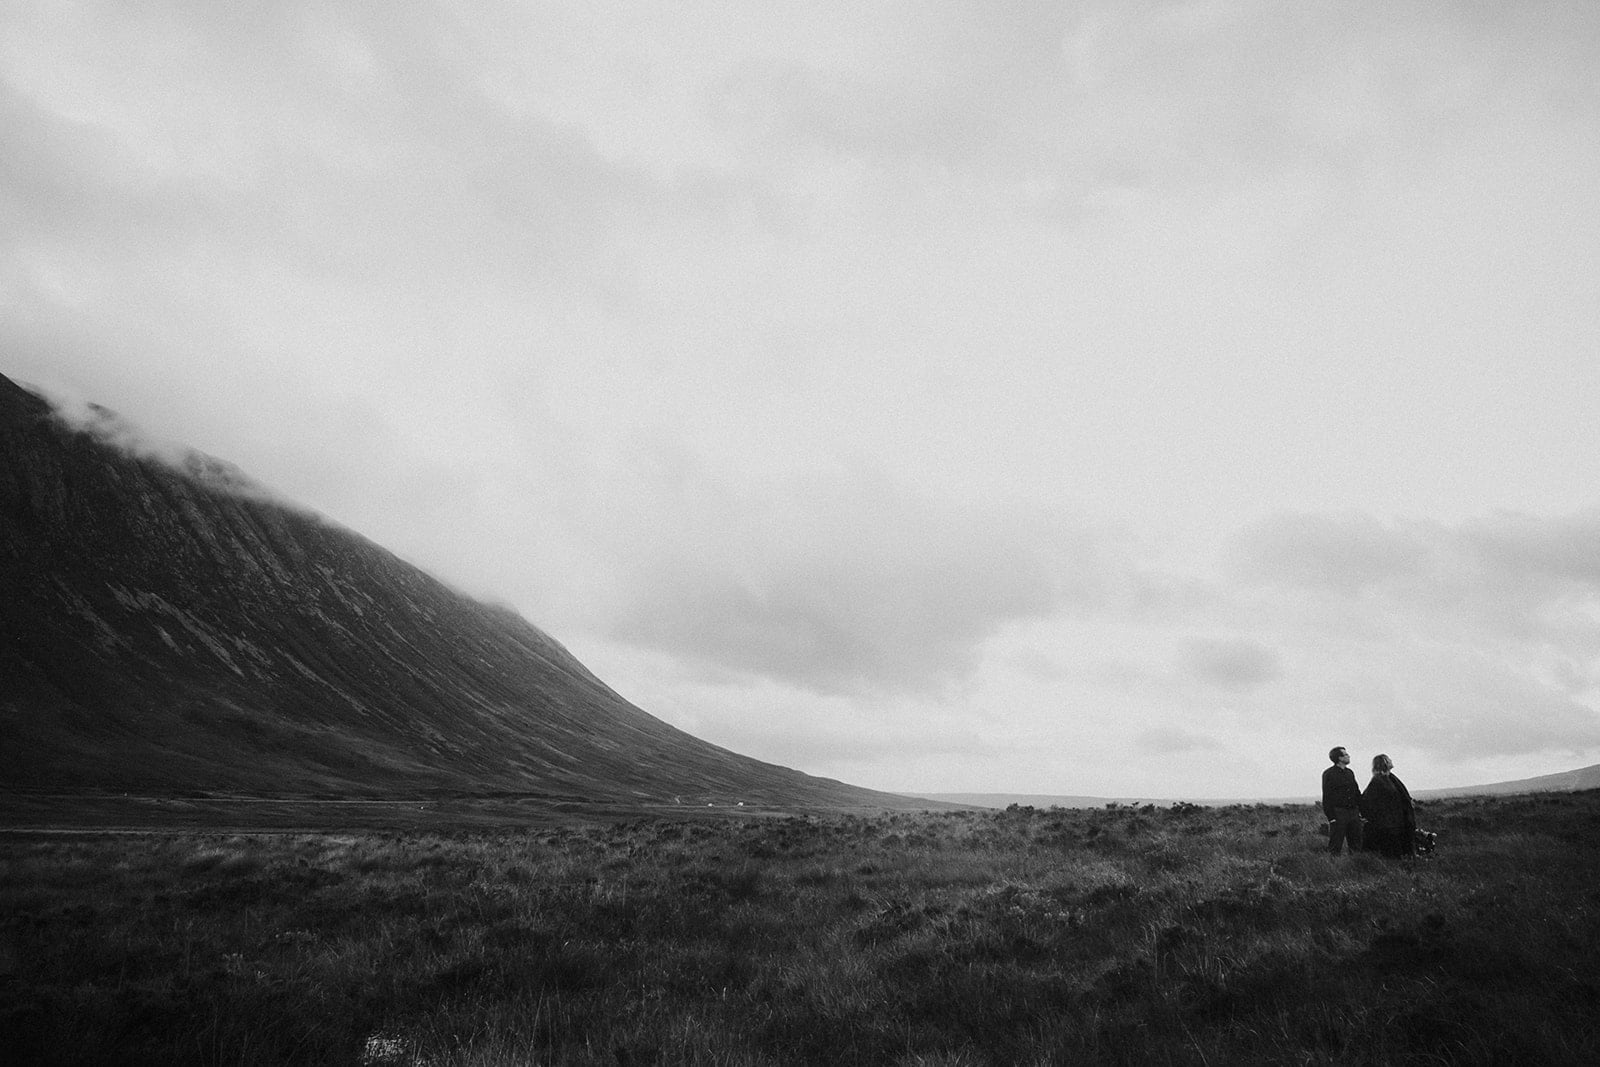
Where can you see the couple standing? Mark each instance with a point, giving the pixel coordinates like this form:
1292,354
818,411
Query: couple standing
1391,819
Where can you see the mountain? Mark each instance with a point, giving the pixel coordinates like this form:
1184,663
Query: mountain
1561,782
166,625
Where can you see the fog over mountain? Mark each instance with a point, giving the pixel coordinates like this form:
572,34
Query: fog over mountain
165,624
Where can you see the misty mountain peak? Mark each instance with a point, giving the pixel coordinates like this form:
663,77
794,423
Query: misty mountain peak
165,627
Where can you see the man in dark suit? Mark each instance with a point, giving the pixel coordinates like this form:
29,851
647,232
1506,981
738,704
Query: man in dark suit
1341,802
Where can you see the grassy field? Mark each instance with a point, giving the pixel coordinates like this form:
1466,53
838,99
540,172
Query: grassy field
1123,935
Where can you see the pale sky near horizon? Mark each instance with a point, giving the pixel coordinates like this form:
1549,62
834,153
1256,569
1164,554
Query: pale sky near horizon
1129,399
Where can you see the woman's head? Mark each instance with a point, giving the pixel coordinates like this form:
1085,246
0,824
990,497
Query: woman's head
1382,764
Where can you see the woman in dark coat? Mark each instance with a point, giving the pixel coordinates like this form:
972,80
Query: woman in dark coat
1391,817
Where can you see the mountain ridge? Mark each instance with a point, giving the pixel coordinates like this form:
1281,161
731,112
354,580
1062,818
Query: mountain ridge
171,626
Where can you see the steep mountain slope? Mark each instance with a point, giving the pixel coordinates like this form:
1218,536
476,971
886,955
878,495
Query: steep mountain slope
166,628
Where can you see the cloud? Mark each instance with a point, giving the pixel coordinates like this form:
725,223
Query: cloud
81,415
61,176
1466,703
932,84
597,308
1560,553
1445,642
1172,740
1234,664
798,730
848,583
1456,639
329,146
1345,553
1517,575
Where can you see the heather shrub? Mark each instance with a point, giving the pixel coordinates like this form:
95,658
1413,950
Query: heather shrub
1120,935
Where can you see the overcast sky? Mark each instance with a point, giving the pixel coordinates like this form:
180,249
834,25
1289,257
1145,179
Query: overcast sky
1123,398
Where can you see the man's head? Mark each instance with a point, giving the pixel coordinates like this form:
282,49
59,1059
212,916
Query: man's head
1339,756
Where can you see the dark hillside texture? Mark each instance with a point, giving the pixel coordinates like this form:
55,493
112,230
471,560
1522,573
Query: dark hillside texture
1019,938
167,627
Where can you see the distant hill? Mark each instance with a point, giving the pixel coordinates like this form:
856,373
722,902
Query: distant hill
1565,781
1026,800
1053,800
166,626
1562,782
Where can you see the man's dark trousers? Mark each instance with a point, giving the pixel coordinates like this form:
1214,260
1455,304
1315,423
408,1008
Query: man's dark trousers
1344,824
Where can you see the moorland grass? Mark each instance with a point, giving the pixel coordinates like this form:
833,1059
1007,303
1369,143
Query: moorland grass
1119,935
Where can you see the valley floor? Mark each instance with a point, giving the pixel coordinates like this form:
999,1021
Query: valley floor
47,813
1025,936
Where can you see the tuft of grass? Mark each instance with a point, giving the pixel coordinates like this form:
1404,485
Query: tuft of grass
1118,935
